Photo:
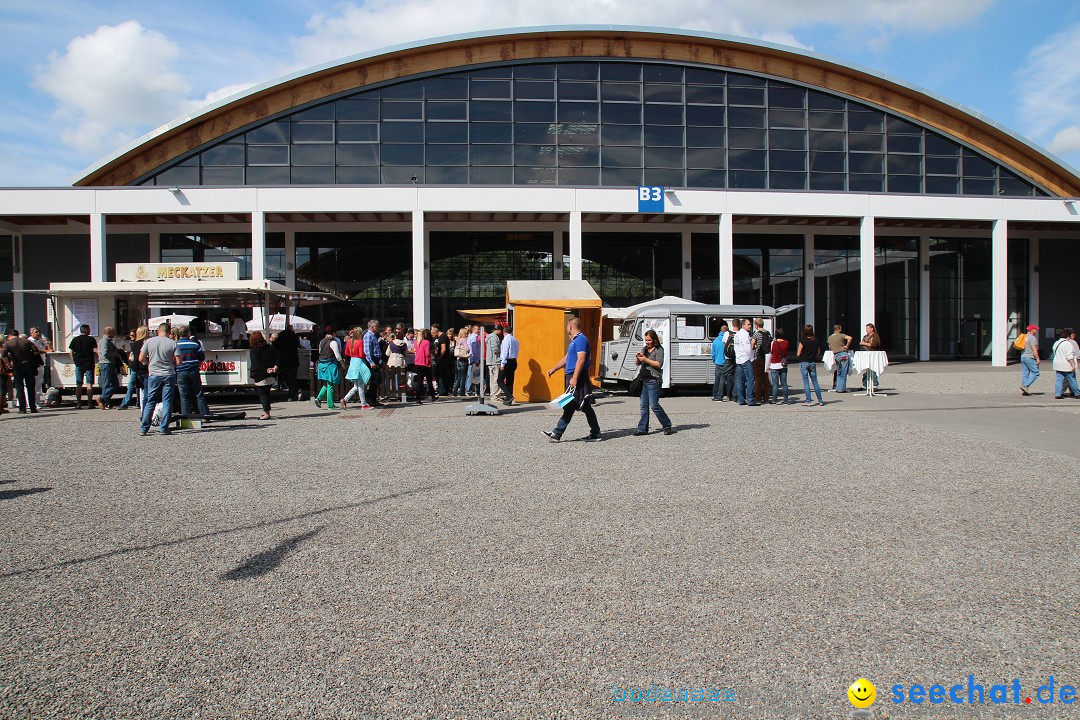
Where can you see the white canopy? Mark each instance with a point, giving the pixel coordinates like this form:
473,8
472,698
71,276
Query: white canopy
277,323
177,319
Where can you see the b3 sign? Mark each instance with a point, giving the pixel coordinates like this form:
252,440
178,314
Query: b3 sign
650,199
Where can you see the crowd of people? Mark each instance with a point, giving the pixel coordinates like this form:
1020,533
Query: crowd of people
1064,357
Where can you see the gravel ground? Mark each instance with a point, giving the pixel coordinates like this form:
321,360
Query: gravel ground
423,564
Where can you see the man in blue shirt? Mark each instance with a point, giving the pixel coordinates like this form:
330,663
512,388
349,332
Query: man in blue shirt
374,358
576,364
718,362
188,380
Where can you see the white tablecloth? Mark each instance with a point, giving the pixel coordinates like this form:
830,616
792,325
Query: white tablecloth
829,358
875,360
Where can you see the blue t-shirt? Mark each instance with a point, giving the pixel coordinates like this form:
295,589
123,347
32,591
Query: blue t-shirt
580,343
191,355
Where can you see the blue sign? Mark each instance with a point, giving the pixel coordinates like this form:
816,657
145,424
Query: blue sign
650,199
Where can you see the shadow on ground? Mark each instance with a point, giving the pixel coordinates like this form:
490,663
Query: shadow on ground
268,560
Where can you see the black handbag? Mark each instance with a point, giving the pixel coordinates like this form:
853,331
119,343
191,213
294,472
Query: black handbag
635,385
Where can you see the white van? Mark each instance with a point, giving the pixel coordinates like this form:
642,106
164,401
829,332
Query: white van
686,333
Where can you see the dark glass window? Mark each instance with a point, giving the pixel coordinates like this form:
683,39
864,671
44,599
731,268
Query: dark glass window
659,120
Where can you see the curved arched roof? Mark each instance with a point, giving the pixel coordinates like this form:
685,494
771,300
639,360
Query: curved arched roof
462,51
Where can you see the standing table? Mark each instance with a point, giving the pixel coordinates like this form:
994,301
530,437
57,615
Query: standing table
873,360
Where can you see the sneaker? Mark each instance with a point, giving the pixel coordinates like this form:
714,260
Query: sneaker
1024,390
552,436
318,402
593,438
365,407
143,432
166,432
670,431
821,404
641,432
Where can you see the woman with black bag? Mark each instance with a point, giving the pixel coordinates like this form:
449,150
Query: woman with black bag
650,360
262,364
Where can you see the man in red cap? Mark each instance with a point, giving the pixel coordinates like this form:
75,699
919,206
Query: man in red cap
1029,360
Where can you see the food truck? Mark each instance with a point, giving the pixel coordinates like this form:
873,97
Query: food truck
686,332
145,290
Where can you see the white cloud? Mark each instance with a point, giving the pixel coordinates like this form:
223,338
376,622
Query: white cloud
1048,89
379,23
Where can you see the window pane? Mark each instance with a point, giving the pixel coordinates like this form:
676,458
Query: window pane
705,136
787,118
827,181
268,176
865,121
578,90
701,76
787,160
402,132
786,97
830,162
905,183
313,175
493,110
579,133
268,155
943,165
621,156
579,176
904,164
579,155
705,158
738,79
864,183
313,132
747,179
357,132
447,154
746,96
535,133
622,113
413,90
358,154
620,71
861,141
535,176
534,111
447,176
937,145
620,91
663,93
668,177
538,155
358,176
823,101
705,115
787,139
975,166
540,71
664,114
447,110
491,175
313,154
579,112
942,185
223,155
905,143
319,112
491,132
972,186
746,117
447,132
897,126
865,162
492,154
446,88
706,178
402,154
705,94
738,138
664,135
663,73
621,135
821,120
275,132
619,177
820,140
178,176
400,110
787,180
495,89
665,157
746,159
358,109
533,90
578,71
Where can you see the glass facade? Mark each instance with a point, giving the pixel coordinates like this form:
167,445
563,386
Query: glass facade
768,270
836,284
629,268
605,123
705,268
226,247
896,282
7,294
959,297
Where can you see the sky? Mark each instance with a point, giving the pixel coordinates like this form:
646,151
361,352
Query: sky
81,79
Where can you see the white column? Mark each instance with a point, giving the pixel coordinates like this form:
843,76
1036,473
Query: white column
258,245
1033,284
575,245
556,255
727,272
866,271
924,297
155,246
19,299
290,259
809,293
999,293
421,274
687,269
97,247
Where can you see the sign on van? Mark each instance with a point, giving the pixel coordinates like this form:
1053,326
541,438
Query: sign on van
173,272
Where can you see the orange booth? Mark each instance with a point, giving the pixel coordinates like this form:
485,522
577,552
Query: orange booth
538,311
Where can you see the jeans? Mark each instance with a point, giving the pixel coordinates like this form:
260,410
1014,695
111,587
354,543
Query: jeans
568,414
136,390
744,382
778,378
423,385
189,384
727,377
23,378
109,381
358,390
718,382
461,376
650,400
809,372
843,360
84,375
1029,371
159,389
286,377
1064,378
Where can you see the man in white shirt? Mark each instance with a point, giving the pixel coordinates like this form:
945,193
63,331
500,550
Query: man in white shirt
744,365
508,354
43,346
237,329
1064,364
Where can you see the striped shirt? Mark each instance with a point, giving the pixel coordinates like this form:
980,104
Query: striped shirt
191,354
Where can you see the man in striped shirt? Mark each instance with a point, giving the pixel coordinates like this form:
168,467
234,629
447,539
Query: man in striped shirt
374,358
188,379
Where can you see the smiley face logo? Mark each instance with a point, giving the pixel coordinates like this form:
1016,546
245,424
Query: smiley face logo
862,693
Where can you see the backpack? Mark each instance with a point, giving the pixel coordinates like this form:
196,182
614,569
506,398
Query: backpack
1021,341
729,347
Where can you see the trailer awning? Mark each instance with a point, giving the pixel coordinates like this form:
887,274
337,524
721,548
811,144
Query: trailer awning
195,293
